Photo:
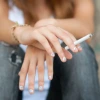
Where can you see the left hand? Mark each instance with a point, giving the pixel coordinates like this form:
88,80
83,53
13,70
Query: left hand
34,58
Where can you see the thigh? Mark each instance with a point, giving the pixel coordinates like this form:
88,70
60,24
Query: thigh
11,58
78,77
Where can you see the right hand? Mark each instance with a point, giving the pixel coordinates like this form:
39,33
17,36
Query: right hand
46,35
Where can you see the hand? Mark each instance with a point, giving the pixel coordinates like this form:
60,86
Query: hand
34,59
46,35
52,21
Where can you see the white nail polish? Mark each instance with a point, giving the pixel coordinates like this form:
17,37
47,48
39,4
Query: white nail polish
31,91
50,77
66,48
79,47
21,87
40,88
64,59
75,49
52,54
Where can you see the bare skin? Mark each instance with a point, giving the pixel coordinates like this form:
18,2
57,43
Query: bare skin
70,30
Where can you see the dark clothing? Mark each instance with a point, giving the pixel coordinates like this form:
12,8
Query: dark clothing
77,79
11,58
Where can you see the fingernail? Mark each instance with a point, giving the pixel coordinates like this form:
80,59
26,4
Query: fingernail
31,91
52,54
79,47
21,87
40,88
64,59
50,77
75,49
66,48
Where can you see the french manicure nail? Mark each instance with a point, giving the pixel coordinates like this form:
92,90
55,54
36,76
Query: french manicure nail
52,54
50,77
40,88
21,87
64,59
75,49
79,47
31,91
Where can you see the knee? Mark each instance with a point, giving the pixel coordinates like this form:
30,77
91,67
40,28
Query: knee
82,65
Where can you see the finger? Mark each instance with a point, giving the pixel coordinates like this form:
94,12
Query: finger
41,72
63,36
67,54
38,45
74,39
49,61
79,47
55,42
23,73
42,40
31,75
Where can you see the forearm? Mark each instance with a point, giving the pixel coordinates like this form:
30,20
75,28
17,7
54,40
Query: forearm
75,27
6,31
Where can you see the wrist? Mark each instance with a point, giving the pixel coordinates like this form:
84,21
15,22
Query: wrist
17,30
45,22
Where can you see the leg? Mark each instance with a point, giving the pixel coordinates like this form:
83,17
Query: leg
78,77
10,64
55,86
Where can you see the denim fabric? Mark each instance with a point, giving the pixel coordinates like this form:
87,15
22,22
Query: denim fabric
76,79
11,58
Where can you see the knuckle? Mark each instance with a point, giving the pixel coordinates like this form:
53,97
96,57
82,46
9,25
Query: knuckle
48,49
34,32
54,40
23,71
63,36
40,69
31,84
30,73
70,43
50,63
69,40
43,41
42,28
41,82
50,26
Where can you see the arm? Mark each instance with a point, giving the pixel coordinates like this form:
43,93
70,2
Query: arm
83,21
5,24
81,24
27,35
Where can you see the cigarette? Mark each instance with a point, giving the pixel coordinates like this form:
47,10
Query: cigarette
80,40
